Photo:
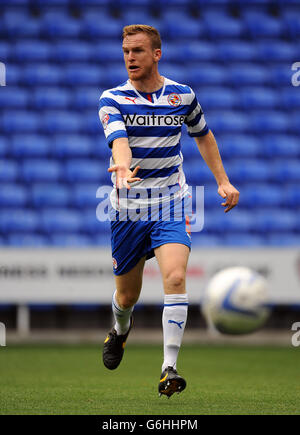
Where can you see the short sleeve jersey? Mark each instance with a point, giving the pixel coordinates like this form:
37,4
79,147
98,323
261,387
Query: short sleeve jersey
153,128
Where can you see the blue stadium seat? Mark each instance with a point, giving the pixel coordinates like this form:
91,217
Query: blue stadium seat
294,123
74,51
290,99
195,51
185,28
51,98
275,220
259,98
19,24
9,170
279,75
30,145
292,21
13,97
248,74
91,225
179,74
19,220
80,74
229,121
283,239
41,170
108,51
292,195
270,121
135,15
13,195
101,240
190,152
66,240
262,25
244,240
104,27
224,27
239,145
24,240
4,146
285,170
244,170
72,146
32,51
207,240
85,195
50,194
86,97
276,51
205,74
280,145
236,51
5,51
20,121
217,97
62,122
198,173
92,124
61,26
60,220
41,74
261,194
101,149
86,170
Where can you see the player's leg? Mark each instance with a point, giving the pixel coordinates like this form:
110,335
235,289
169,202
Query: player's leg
128,288
172,259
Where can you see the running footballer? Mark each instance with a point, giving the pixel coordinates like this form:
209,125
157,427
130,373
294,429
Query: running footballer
142,120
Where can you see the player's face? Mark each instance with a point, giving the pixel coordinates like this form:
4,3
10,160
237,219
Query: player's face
139,56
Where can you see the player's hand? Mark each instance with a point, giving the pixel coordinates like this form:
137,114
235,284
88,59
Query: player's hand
124,176
228,191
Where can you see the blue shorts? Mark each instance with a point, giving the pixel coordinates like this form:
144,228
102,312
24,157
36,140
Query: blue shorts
132,240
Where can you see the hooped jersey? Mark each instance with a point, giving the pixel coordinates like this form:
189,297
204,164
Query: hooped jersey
152,123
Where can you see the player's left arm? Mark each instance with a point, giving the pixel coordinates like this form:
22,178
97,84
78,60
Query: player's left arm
209,150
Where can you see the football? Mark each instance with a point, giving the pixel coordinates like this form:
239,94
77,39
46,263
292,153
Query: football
235,301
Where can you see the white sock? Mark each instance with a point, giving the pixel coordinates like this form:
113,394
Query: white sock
173,320
121,316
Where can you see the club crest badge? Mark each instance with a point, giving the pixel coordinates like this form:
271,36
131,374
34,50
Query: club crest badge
174,100
114,262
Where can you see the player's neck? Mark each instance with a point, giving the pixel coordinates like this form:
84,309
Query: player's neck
149,85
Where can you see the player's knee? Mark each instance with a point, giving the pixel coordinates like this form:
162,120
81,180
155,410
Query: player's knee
175,281
126,301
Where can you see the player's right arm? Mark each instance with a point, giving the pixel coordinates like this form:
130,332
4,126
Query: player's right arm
116,134
122,156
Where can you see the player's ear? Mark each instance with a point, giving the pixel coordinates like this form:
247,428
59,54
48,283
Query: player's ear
157,54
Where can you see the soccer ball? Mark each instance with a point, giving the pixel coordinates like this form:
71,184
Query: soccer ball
235,301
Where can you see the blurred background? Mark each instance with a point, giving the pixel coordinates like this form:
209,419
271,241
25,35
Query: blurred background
55,260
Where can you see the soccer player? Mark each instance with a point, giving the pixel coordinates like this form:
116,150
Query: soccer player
142,120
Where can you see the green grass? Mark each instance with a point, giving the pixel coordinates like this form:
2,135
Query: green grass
220,380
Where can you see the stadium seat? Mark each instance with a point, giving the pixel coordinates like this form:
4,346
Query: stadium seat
198,173
80,74
9,170
91,225
180,74
51,98
41,74
285,170
279,145
61,26
236,51
259,98
92,124
86,97
108,51
224,27
62,122
290,99
283,239
276,51
101,239
207,240
261,25
32,51
244,240
244,170
195,51
19,24
13,97
13,195
292,21
65,240
50,194
4,146
18,220
279,75
275,220
185,28
207,74
294,122
29,145
261,194
85,195
19,121
5,51
248,74
270,121
14,75
85,170
74,51
24,240
239,145
72,146
229,121
109,28
34,170
60,220
217,98
292,195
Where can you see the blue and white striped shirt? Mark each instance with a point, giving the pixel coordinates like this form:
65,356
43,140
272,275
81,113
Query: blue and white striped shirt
153,128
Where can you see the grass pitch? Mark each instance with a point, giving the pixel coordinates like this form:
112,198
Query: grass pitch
220,380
